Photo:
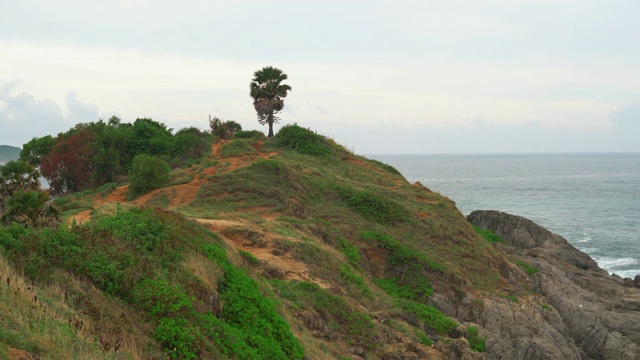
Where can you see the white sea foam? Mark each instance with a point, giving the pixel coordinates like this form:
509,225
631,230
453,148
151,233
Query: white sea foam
590,250
584,239
612,263
628,273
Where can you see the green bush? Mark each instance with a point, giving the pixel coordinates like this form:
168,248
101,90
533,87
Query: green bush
147,173
347,274
424,339
475,341
356,326
249,134
489,235
414,283
238,147
386,167
376,208
529,269
430,316
303,141
350,251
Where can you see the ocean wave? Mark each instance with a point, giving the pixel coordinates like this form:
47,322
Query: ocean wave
589,250
628,273
612,263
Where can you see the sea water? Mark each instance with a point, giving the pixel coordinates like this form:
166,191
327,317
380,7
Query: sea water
592,200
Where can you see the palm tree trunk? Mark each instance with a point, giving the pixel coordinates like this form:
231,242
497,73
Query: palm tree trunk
270,121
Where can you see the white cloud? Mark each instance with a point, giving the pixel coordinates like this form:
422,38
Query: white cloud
436,65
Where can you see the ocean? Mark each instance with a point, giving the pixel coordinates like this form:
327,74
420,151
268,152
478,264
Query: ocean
592,200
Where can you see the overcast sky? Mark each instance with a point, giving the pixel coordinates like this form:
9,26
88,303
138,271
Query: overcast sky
377,76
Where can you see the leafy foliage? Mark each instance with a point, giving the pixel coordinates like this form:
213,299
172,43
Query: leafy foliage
414,283
237,147
355,325
529,269
475,341
268,93
350,251
303,141
249,134
430,316
68,167
147,173
386,167
223,129
376,208
189,143
149,137
136,256
36,149
489,235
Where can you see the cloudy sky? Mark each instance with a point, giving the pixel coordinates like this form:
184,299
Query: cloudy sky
377,76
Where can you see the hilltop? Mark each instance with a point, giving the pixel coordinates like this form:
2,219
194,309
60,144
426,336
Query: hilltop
8,153
285,247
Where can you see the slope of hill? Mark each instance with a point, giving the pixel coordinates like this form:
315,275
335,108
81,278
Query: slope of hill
291,247
8,153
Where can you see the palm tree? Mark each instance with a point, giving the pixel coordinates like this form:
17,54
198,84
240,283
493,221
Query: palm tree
268,94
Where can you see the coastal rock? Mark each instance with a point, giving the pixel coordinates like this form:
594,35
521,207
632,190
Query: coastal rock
597,312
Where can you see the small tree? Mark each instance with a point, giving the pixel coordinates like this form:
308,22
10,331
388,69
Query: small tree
69,167
223,129
268,94
147,173
31,208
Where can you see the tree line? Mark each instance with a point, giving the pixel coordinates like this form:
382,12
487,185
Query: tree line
92,154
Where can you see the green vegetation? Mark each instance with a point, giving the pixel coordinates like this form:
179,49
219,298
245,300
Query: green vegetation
147,173
474,339
376,208
386,167
146,283
303,141
249,134
268,93
237,147
334,311
430,316
508,297
529,269
489,235
546,307
350,251
223,129
136,256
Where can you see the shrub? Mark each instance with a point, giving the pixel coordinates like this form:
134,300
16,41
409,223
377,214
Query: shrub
529,269
355,325
488,235
376,208
414,282
147,173
386,167
303,141
350,251
475,341
238,147
347,274
249,134
430,316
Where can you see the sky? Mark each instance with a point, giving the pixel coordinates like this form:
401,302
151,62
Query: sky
379,77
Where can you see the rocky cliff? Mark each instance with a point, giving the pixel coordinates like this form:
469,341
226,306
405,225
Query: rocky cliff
583,312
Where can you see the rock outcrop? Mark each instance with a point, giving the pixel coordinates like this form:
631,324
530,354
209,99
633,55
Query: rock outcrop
584,313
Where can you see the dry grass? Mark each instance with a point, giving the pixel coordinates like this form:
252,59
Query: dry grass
39,321
204,269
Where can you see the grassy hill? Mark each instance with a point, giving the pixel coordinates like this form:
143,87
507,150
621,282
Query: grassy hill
276,249
8,153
